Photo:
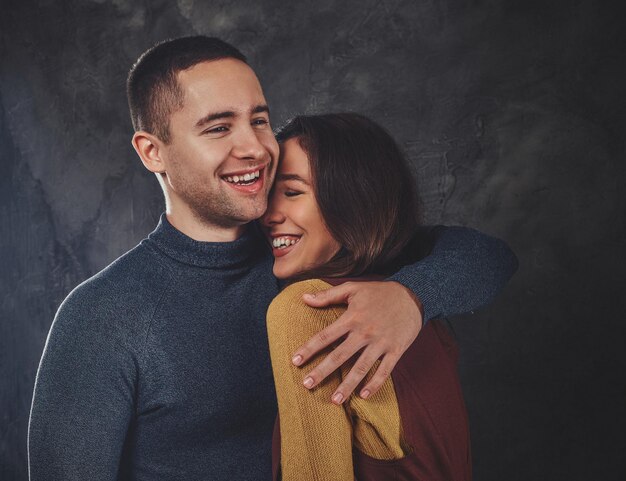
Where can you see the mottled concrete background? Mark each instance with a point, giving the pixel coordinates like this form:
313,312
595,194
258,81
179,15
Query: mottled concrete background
512,113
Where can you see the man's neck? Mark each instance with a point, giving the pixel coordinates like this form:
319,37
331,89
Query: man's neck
203,231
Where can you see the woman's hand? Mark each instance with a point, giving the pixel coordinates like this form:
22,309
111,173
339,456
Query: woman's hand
382,320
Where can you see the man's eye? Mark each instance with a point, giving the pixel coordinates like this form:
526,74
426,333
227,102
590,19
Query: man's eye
260,121
292,193
217,130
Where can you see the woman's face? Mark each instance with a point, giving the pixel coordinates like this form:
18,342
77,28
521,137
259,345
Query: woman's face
293,222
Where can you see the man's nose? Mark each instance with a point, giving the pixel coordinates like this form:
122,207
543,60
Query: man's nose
248,146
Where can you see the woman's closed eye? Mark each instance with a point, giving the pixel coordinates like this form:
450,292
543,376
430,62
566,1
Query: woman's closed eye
292,193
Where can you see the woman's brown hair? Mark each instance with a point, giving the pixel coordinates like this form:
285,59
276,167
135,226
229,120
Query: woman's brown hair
363,186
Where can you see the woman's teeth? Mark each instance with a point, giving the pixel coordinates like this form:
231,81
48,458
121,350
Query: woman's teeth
243,179
282,242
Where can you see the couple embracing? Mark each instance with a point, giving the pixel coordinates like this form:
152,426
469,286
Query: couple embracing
168,364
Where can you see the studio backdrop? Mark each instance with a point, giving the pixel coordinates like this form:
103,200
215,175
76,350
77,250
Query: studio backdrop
512,114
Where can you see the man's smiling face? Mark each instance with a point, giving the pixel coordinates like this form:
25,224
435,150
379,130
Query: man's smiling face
221,159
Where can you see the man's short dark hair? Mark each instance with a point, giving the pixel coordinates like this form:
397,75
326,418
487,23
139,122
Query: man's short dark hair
152,87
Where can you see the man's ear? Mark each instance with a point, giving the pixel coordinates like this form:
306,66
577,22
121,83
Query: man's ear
150,151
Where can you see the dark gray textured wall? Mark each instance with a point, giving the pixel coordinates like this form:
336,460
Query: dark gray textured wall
512,113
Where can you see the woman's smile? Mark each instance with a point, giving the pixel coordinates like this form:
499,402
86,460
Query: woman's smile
283,244
293,222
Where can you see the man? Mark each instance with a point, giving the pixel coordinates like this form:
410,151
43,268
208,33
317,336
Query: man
158,367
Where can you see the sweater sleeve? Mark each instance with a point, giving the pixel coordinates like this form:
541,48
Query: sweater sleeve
464,270
317,436
83,399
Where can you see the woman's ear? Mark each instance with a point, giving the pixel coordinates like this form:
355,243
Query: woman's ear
150,150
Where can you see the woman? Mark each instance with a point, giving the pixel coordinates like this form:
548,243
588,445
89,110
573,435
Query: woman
343,205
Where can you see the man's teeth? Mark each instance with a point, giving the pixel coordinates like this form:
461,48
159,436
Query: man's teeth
249,178
282,242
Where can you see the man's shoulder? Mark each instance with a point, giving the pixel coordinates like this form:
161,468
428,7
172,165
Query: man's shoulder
129,286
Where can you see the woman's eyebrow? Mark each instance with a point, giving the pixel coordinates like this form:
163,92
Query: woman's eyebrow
291,177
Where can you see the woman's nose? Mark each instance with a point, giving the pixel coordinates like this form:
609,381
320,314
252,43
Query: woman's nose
273,215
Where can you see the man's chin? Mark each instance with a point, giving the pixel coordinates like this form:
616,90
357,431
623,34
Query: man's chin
253,211
231,212
241,218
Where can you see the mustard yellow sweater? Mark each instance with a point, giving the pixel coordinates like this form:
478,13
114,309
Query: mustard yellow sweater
317,436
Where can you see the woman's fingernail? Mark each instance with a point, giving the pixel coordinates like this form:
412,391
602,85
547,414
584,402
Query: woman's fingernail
297,359
337,398
365,393
308,382
310,296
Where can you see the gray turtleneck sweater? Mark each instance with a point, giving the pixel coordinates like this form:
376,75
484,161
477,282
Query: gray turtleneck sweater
157,367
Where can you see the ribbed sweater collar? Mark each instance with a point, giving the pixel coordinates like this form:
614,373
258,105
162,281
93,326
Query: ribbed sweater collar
183,248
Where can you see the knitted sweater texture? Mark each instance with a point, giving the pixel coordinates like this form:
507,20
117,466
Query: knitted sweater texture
317,436
158,366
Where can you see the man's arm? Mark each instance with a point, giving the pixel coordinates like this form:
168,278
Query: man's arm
83,398
464,270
